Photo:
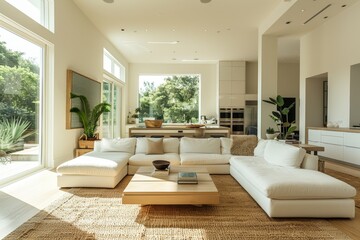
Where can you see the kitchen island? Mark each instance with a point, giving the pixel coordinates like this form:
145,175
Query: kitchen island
180,131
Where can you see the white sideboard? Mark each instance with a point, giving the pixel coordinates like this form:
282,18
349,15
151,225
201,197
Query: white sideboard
342,144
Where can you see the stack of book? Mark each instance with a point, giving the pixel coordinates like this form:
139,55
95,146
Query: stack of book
160,173
187,178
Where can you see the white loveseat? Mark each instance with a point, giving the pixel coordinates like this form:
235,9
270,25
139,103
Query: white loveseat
283,180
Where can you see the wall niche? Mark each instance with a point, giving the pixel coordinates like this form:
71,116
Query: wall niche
354,95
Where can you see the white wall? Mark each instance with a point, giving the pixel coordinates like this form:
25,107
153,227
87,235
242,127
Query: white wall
332,48
251,77
288,83
78,45
209,82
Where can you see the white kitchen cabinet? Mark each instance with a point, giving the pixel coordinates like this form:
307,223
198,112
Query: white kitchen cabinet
232,84
352,155
340,144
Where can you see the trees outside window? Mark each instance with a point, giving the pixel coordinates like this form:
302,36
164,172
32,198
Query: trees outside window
174,99
19,90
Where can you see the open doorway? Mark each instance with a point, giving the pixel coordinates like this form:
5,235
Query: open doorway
317,100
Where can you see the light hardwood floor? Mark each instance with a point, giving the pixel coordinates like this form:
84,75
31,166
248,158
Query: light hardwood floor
21,200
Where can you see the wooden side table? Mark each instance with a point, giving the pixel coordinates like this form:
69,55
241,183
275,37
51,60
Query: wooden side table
81,151
315,149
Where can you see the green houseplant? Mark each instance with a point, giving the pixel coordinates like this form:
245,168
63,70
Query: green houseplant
281,117
12,134
270,133
89,117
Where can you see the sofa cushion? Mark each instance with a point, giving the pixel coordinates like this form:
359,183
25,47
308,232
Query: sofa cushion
170,145
196,145
142,159
283,154
155,147
226,144
204,159
118,145
244,145
260,148
95,164
278,182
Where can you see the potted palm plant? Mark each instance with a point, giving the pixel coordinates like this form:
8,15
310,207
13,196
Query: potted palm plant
89,119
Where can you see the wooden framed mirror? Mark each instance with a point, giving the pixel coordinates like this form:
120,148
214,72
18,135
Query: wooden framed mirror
80,85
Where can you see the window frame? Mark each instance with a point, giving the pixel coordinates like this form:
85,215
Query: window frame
114,63
45,96
46,11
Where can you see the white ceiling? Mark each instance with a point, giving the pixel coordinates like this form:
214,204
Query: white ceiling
173,31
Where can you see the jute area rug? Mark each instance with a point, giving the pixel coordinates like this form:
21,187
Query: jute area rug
353,181
87,213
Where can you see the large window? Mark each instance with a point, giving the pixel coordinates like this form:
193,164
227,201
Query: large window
174,99
114,78
113,67
41,11
21,81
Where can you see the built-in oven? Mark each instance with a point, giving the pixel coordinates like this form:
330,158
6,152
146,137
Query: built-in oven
237,128
225,115
237,114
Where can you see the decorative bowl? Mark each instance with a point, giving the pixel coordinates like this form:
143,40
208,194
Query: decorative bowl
161,164
153,123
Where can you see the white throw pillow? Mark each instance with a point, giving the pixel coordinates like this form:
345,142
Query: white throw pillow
226,144
171,145
198,145
260,148
118,145
282,154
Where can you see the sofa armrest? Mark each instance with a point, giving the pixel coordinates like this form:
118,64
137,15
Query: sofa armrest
310,162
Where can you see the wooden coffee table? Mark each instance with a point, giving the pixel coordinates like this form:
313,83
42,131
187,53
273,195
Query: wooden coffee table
146,189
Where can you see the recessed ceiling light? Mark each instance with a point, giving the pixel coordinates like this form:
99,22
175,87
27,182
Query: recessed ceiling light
108,1
158,42
205,1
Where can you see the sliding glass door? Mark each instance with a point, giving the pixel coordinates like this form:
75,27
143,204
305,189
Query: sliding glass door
111,123
21,81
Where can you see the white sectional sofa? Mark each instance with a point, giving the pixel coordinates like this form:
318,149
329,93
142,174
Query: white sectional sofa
281,178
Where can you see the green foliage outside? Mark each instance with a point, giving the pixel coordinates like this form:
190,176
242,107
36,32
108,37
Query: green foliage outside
19,87
12,131
174,101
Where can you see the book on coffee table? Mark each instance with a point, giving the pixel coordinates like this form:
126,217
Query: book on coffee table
187,178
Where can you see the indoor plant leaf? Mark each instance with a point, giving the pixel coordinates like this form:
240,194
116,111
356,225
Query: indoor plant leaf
279,101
